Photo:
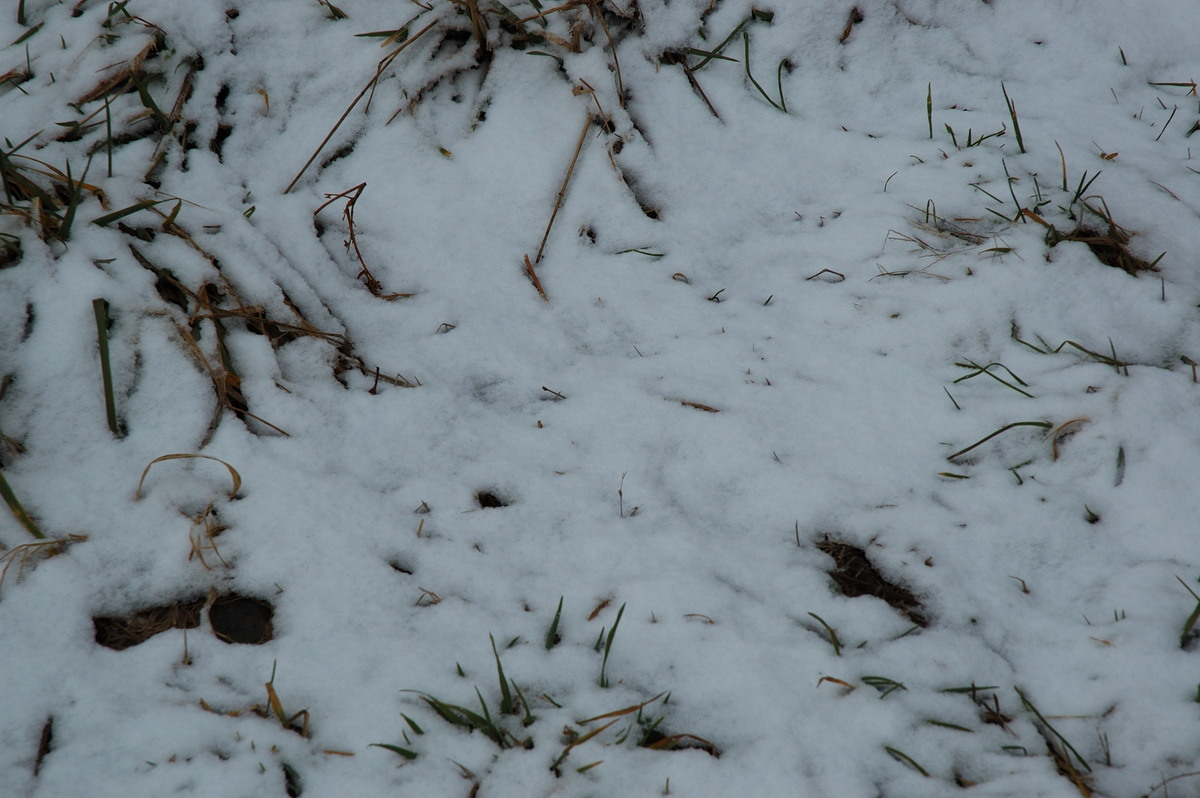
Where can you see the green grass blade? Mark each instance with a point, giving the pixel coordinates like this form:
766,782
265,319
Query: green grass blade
1012,112
1028,705
929,108
100,309
404,752
746,63
18,511
109,218
1005,428
906,759
552,632
506,699
612,633
833,638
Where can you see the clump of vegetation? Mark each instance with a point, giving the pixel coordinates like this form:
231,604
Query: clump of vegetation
509,718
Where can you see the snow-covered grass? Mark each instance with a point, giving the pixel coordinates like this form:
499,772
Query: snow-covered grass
627,398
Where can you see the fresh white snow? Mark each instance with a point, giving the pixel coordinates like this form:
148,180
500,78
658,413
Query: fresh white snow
814,277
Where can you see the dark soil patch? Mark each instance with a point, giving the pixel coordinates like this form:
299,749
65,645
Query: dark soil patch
487,499
856,576
240,619
122,633
234,619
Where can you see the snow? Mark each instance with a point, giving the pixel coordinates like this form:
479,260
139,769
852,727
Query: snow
701,400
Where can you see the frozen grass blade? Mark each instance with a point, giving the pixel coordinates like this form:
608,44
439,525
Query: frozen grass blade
1012,112
1054,731
507,706
1005,428
404,752
833,638
74,196
552,637
109,218
612,633
900,756
970,364
1046,349
100,310
18,511
884,685
1168,122
929,108
761,90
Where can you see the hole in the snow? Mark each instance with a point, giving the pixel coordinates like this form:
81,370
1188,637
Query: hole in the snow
241,619
856,576
487,498
402,567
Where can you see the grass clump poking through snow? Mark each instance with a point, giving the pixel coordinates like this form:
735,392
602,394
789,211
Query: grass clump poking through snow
497,718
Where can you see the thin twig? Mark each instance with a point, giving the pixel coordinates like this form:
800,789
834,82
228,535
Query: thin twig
562,192
384,63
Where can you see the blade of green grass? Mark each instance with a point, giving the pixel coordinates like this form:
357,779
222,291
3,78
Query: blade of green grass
929,108
612,633
905,758
1029,705
404,752
746,63
833,638
18,511
506,699
552,632
100,309
1012,112
1005,428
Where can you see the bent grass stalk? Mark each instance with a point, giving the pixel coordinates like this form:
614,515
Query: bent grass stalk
233,473
18,510
833,638
746,62
1005,428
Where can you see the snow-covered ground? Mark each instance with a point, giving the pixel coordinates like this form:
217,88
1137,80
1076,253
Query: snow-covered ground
729,412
